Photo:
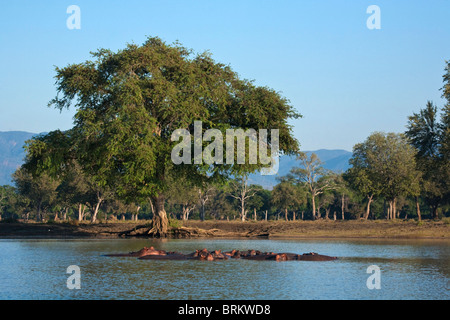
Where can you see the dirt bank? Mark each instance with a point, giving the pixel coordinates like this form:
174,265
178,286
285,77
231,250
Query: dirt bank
272,229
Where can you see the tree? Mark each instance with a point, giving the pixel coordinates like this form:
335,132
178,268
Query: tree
181,191
204,194
386,163
242,191
431,139
8,199
310,173
40,190
362,178
287,197
259,201
424,133
128,104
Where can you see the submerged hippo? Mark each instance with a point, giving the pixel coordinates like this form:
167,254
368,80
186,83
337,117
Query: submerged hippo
143,252
312,256
204,254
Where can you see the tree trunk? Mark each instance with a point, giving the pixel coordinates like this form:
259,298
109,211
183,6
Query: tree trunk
80,212
313,207
433,209
242,209
419,216
286,214
266,216
38,215
160,221
366,215
343,206
203,211
137,213
391,209
254,214
394,209
97,206
293,216
327,212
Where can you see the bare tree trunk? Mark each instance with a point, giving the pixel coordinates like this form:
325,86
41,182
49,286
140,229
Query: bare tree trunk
293,216
286,214
254,214
418,209
137,212
313,206
243,209
343,206
97,206
366,215
152,207
80,212
266,216
391,210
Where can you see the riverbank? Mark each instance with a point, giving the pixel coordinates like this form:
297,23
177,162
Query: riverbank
394,229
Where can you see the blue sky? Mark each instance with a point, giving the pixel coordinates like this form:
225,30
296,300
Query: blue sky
345,79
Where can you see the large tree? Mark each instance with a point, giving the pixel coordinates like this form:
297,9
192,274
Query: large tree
430,135
385,164
128,104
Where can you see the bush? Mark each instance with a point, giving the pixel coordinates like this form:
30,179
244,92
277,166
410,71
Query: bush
174,223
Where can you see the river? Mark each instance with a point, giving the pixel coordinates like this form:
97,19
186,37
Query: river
366,269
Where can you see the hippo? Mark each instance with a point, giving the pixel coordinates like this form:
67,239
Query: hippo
312,256
203,254
168,256
143,252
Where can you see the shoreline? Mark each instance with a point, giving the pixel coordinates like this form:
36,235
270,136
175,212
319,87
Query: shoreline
322,229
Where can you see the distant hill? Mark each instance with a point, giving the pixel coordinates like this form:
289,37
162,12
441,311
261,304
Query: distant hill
334,160
12,155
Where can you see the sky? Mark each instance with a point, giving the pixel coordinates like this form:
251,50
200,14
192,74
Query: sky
346,79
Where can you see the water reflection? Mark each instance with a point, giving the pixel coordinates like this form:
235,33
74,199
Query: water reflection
36,269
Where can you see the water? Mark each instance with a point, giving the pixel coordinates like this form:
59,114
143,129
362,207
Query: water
37,269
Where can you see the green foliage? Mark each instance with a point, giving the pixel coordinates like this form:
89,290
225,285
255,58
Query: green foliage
129,103
431,138
174,223
385,164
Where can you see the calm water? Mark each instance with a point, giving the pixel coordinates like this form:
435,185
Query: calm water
36,269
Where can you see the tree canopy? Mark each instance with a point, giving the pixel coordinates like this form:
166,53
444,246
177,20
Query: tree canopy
128,103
